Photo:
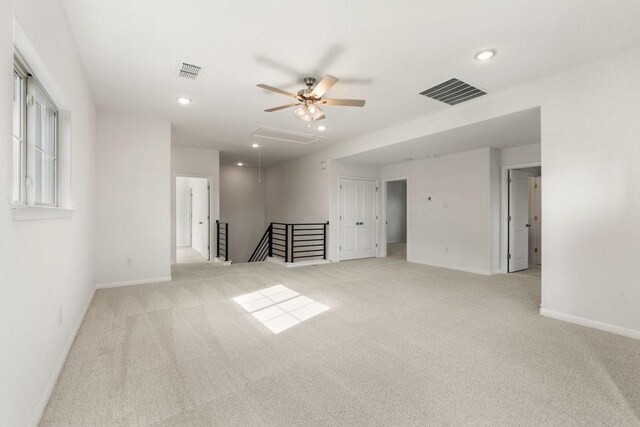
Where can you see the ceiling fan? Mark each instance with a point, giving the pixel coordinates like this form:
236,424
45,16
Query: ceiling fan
308,100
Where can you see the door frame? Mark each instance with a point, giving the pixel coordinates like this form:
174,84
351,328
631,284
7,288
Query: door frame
383,228
376,208
190,217
209,179
504,212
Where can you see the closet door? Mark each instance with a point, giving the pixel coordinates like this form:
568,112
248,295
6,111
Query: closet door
518,221
366,231
358,220
348,219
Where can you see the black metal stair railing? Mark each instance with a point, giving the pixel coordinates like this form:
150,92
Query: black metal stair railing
262,251
292,242
222,237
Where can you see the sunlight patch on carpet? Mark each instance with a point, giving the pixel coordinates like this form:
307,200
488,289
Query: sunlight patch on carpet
279,308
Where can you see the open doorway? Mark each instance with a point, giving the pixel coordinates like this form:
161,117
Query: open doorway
524,219
396,218
192,220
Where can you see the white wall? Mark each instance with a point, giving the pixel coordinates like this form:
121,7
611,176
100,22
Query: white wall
297,191
242,205
453,228
200,162
396,213
591,193
183,212
525,154
132,193
45,265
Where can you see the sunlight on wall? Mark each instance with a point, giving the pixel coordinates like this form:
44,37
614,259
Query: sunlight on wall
279,308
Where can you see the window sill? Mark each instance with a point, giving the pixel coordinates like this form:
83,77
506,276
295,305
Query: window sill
30,213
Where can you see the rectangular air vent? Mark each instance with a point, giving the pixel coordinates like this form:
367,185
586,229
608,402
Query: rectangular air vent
453,92
189,71
286,135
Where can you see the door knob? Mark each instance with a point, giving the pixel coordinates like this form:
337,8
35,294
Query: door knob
528,225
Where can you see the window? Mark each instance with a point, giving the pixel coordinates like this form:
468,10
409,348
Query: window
19,131
35,140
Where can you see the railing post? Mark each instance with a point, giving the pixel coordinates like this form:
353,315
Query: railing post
217,238
286,243
270,240
324,237
226,241
293,243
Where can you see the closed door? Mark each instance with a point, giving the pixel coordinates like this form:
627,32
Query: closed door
535,234
200,215
518,221
358,220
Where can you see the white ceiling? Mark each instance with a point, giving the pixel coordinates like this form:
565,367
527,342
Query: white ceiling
385,52
511,130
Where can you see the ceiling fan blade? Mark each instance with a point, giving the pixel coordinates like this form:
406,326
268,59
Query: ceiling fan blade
280,91
282,107
324,85
344,102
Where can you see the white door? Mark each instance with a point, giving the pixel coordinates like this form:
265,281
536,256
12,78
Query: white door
518,220
358,221
366,231
535,218
200,215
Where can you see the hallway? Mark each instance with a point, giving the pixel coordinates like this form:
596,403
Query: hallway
188,255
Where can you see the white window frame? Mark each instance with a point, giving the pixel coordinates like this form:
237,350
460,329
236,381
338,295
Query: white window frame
32,89
23,74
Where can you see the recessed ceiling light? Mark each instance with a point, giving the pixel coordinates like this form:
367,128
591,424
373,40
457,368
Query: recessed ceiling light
240,164
198,145
485,54
255,145
184,101
322,128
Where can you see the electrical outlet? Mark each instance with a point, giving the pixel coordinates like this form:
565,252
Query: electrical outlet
60,316
128,261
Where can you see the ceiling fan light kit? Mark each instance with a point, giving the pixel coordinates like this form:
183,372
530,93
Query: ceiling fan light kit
309,99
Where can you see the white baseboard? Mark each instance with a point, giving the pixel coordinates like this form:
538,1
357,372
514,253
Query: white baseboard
590,323
46,395
396,241
452,267
299,263
133,282
221,261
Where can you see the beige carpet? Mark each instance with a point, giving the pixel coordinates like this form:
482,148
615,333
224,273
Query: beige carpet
402,344
187,255
397,250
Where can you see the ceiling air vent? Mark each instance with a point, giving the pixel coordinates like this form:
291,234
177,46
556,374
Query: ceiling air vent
453,92
189,71
286,135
